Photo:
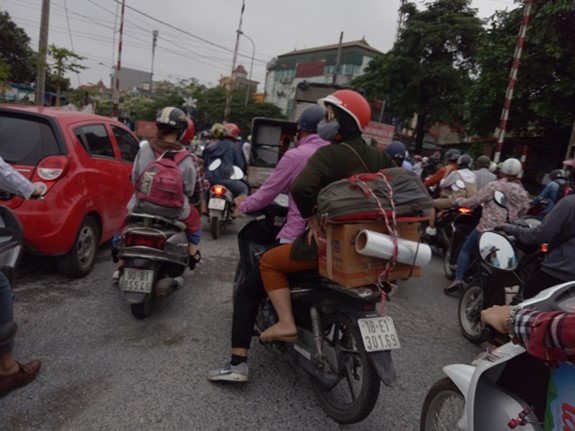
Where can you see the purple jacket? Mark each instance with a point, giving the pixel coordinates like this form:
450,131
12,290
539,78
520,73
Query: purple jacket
281,179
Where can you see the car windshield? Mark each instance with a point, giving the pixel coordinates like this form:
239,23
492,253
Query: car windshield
25,140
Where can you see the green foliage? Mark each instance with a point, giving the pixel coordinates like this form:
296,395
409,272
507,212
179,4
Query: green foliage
544,98
62,61
429,68
16,52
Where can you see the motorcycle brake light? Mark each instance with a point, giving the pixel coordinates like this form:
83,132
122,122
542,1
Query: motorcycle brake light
218,190
52,168
152,240
544,247
368,307
463,210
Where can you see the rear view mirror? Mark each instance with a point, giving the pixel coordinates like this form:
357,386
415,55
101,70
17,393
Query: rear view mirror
496,251
214,165
500,199
238,174
458,185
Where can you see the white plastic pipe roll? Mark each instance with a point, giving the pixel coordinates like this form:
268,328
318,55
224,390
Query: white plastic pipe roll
380,245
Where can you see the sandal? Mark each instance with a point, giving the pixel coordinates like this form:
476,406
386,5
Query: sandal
25,375
194,259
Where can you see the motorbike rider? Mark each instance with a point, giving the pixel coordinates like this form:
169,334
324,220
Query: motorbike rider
547,335
418,164
450,191
451,157
482,175
13,374
550,194
347,114
173,124
493,215
251,292
230,154
558,231
397,151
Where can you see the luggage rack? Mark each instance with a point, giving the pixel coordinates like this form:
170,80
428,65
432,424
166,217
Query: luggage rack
149,220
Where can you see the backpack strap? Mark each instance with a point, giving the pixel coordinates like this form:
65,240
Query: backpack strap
357,154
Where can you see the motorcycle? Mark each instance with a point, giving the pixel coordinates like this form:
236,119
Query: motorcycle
10,253
221,201
492,284
504,388
344,343
155,254
462,225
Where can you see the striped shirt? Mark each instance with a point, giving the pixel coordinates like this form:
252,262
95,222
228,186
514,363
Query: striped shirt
13,182
546,335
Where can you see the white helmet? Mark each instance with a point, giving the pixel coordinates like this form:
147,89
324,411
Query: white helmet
511,167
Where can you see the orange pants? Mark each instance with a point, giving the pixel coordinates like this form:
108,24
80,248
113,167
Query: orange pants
275,264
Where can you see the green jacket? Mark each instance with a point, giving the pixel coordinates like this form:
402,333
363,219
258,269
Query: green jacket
328,164
331,163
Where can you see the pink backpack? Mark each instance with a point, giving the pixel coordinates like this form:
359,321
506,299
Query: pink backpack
161,183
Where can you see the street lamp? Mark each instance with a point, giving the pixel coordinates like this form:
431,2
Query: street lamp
251,64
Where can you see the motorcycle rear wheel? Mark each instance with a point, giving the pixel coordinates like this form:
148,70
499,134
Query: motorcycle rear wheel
443,407
143,309
352,399
447,269
469,313
215,227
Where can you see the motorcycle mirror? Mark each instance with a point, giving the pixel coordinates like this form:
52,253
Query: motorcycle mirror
458,185
238,174
496,251
214,165
500,199
282,200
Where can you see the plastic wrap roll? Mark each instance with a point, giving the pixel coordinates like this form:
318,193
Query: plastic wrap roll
380,245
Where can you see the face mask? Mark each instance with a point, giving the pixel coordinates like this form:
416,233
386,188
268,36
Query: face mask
327,130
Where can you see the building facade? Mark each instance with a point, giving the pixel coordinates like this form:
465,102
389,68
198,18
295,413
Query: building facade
335,65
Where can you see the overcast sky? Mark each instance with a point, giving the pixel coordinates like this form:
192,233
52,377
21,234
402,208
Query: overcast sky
201,39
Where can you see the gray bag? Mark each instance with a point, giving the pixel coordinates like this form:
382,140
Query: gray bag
352,199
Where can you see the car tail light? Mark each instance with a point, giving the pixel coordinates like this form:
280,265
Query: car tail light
218,190
463,210
147,239
52,168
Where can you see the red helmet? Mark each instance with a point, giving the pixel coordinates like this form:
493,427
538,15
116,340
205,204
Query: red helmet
351,102
231,130
189,133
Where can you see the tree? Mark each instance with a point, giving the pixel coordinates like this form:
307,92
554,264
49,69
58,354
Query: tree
544,97
63,60
429,68
16,51
4,75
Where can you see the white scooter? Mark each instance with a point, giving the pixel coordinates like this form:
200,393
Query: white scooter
506,388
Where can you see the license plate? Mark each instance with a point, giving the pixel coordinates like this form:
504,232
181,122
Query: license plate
216,204
378,333
137,280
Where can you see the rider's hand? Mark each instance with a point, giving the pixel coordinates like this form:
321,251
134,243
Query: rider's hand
496,316
39,190
508,228
238,202
313,234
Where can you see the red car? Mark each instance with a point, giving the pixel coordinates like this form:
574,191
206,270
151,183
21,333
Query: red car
85,160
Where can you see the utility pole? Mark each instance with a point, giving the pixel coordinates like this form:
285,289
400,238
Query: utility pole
116,104
154,40
42,53
337,59
229,89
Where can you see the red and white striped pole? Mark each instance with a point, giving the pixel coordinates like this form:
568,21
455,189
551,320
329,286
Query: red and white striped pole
116,104
512,80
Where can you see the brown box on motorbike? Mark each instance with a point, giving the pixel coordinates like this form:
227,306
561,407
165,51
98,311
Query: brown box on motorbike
339,261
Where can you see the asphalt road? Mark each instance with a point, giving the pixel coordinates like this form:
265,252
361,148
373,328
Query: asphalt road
105,370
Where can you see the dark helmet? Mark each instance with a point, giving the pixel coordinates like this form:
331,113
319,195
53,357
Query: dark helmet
557,174
483,162
169,119
396,150
452,155
310,117
464,161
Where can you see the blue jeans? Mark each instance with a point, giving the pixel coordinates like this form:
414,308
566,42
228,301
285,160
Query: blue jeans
464,257
6,309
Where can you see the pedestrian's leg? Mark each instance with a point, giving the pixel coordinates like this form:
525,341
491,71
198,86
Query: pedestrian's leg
8,365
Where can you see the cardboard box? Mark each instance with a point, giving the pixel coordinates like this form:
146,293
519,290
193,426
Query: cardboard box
339,261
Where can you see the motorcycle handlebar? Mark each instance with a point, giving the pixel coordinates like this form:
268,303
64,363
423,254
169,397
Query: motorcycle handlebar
493,337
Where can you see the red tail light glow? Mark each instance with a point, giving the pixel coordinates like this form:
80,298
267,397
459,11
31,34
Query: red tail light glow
141,239
52,168
544,247
463,210
218,190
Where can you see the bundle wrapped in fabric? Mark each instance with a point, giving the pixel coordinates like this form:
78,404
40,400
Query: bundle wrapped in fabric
364,197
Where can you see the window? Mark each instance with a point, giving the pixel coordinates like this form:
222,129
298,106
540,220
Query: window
95,140
128,145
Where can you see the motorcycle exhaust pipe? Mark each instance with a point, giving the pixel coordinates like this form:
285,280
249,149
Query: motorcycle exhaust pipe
167,286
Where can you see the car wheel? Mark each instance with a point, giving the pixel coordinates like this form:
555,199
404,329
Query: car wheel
78,262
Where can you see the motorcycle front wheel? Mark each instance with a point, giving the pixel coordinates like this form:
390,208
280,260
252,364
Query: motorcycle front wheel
443,407
354,395
469,313
447,268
